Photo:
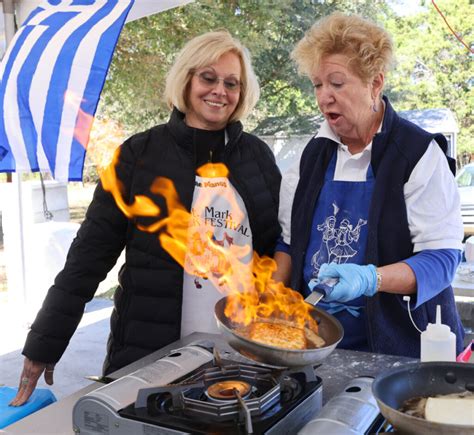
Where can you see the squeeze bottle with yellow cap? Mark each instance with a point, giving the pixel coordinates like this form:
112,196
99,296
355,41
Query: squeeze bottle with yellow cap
438,343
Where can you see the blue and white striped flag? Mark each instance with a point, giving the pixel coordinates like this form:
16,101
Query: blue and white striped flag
50,83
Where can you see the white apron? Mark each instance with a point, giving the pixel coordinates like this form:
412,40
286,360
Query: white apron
218,213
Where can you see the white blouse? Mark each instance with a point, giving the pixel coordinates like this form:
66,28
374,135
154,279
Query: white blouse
431,194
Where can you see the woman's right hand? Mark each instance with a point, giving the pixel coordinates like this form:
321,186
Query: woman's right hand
354,280
32,371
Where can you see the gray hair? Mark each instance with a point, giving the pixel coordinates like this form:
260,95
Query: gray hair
368,46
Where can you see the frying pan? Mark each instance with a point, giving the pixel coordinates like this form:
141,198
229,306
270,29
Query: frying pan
329,329
393,387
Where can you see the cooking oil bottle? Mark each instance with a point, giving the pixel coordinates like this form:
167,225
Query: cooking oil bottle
438,343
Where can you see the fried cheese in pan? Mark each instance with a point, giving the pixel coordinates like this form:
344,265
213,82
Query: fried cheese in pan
278,335
281,334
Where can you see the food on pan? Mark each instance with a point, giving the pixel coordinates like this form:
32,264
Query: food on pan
450,410
279,333
313,340
457,408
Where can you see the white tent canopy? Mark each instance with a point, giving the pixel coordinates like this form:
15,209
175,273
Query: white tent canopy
140,9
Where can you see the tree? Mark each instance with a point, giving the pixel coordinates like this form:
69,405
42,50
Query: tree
134,88
433,68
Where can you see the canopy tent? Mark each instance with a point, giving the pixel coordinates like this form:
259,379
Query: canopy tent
19,10
140,9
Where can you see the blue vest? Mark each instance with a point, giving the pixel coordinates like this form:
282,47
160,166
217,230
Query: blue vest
395,152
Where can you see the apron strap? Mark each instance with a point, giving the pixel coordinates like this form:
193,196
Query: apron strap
336,307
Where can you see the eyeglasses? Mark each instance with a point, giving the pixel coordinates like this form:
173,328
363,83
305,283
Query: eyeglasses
209,79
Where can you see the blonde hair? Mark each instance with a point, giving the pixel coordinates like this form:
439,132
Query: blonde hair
368,47
205,50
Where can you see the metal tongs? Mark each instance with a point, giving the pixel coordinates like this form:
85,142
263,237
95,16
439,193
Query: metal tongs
320,289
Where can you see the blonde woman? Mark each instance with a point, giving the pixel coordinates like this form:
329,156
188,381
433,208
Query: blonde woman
379,178
210,88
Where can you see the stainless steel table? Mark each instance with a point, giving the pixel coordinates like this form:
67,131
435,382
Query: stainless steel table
336,371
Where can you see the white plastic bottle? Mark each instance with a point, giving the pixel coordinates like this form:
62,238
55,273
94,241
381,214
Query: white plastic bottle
438,343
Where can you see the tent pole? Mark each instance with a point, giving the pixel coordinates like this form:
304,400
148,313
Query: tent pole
9,15
9,24
14,234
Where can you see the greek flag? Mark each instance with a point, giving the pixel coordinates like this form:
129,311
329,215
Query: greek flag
50,81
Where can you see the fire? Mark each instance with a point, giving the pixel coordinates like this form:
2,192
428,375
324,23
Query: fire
100,136
84,120
143,206
250,289
103,141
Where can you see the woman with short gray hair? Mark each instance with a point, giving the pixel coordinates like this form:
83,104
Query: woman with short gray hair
372,208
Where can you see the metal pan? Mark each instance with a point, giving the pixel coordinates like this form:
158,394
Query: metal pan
393,387
329,329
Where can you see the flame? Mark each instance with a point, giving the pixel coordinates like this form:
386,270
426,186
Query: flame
99,136
103,141
251,291
84,120
142,206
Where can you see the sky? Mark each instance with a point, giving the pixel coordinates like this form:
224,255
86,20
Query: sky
406,7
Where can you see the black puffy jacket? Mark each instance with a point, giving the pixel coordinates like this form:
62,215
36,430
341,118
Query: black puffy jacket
147,312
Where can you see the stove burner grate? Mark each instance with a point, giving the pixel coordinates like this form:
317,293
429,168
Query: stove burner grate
260,392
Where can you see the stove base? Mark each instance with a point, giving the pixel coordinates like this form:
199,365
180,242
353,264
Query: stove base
280,402
108,421
274,421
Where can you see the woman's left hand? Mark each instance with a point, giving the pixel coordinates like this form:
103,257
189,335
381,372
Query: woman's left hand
32,370
354,281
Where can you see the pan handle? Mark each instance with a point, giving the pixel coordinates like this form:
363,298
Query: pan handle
324,286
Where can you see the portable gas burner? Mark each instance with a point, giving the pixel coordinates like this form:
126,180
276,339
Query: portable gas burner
194,391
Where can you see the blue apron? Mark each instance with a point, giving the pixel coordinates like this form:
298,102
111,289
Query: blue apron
339,235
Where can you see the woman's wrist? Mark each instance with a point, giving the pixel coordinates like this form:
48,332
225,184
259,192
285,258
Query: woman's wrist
397,278
378,284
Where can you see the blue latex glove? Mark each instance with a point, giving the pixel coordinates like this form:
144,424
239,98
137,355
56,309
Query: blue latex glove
354,281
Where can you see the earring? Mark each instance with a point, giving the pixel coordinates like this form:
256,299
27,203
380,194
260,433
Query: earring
374,107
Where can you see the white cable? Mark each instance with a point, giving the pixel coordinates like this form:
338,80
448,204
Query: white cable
407,299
